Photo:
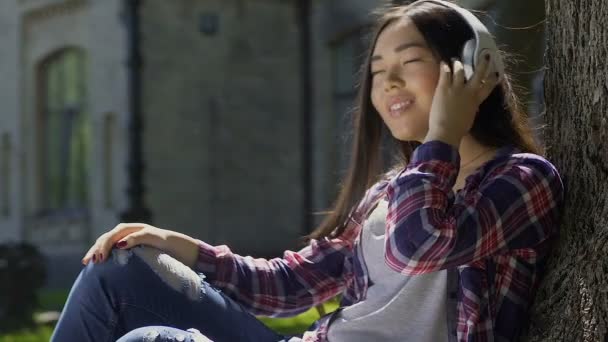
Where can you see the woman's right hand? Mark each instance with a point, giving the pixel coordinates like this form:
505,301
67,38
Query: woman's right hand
126,235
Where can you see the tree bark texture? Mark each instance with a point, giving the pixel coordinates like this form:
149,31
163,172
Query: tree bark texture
572,302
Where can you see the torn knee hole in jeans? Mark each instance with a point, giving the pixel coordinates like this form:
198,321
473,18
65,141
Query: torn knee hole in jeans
151,336
171,271
196,336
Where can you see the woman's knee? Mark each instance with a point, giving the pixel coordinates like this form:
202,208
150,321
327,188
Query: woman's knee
138,266
121,268
118,261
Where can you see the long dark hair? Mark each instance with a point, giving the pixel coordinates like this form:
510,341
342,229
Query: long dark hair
500,120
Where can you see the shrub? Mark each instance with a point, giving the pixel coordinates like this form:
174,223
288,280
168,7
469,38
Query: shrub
22,274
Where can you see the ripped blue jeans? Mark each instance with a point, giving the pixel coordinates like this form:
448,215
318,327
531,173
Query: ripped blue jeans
143,294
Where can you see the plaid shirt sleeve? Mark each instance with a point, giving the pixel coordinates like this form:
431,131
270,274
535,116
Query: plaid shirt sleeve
427,230
281,286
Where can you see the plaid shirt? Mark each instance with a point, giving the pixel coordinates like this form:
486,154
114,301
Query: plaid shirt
493,236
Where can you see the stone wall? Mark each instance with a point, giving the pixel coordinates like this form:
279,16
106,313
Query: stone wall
223,121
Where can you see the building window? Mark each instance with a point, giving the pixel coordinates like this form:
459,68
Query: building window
64,133
348,54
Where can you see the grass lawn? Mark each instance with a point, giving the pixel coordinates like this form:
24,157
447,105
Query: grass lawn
39,334
54,300
49,300
299,323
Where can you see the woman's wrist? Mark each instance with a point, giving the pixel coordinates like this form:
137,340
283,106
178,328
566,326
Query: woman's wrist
182,247
443,135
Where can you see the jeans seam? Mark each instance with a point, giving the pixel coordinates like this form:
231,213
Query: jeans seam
112,327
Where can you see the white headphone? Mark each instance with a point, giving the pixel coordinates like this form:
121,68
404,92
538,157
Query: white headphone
475,48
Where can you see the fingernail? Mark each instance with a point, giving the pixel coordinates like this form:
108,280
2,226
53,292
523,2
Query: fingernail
101,257
94,258
121,244
487,56
496,74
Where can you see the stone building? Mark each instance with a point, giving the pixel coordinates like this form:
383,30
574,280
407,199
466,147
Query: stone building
222,98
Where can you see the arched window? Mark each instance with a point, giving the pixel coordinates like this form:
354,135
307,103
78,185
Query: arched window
64,133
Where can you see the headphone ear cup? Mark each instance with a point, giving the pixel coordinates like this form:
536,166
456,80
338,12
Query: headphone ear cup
468,58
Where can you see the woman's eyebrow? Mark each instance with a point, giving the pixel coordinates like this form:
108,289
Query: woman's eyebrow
400,48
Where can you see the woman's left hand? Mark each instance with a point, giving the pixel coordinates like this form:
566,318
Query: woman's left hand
455,103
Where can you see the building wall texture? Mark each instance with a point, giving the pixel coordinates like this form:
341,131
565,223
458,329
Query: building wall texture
222,116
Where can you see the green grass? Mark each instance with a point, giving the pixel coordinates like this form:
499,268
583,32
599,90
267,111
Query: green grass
52,299
48,300
299,323
39,334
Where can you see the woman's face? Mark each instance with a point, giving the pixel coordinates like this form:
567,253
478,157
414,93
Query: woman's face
404,76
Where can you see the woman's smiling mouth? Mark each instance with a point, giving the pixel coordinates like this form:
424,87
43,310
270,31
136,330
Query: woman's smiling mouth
397,107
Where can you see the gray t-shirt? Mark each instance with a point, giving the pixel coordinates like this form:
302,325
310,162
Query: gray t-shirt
397,307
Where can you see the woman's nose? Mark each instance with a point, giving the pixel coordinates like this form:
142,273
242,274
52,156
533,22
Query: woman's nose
393,79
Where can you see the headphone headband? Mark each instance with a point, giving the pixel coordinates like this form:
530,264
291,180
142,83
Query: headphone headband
473,49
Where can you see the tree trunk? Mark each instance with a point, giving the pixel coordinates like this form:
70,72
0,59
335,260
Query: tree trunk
572,303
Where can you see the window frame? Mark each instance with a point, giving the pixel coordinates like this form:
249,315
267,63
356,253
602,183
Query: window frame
44,207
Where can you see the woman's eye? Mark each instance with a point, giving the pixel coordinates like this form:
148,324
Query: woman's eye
411,60
374,73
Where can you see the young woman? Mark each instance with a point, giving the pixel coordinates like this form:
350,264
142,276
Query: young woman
447,244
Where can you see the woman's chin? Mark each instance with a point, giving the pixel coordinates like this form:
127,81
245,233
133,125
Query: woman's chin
404,136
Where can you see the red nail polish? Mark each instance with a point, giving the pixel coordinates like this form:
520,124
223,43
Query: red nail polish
94,257
121,244
101,257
